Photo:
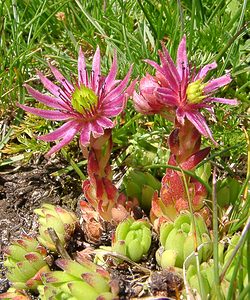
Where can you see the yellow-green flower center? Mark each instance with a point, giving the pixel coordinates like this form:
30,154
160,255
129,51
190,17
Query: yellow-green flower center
195,91
83,99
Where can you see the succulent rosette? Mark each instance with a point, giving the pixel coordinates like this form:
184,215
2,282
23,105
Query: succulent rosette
25,261
13,294
141,185
132,239
57,218
207,277
207,270
179,93
178,241
244,261
78,281
86,105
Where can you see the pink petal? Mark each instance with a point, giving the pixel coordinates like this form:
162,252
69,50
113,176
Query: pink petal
171,64
223,100
96,129
214,84
82,71
68,137
119,89
155,65
66,84
96,69
203,72
130,89
45,99
182,61
141,105
110,79
167,97
105,122
118,101
200,123
169,75
167,92
50,86
59,132
85,134
112,111
46,114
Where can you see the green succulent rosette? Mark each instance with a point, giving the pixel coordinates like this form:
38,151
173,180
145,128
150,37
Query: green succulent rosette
242,267
178,241
77,281
61,220
25,261
207,270
132,239
141,185
228,191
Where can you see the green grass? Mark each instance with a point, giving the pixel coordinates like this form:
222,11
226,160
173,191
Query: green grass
32,33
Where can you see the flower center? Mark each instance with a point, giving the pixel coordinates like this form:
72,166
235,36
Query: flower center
83,99
195,92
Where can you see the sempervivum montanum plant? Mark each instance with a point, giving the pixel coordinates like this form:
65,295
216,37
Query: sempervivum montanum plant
132,239
25,261
178,241
62,221
78,280
179,93
87,105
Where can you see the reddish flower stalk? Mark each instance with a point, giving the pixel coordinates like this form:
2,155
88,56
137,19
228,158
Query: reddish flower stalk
173,195
99,190
179,94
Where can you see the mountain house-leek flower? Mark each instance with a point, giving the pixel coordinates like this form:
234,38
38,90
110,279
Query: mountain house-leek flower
86,105
177,92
